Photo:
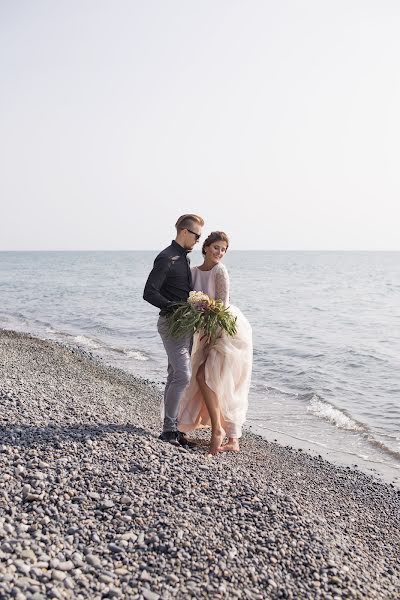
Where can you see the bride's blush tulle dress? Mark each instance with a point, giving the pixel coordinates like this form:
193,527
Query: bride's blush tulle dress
228,364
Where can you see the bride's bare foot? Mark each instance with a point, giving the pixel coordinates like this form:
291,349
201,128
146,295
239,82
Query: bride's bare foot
232,445
216,440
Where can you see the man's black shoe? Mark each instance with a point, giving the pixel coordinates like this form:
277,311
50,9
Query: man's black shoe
169,436
183,440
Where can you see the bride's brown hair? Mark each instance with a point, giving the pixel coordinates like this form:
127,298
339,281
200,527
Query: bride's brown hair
215,236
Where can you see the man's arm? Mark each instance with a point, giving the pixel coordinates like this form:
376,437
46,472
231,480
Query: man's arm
155,281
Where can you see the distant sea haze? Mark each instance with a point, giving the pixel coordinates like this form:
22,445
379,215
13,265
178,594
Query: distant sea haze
326,374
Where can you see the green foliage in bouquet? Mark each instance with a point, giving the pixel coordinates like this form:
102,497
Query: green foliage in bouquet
202,314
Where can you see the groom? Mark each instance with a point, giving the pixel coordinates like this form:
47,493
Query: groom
169,282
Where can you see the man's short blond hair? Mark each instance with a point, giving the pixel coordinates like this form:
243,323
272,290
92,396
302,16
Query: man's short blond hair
187,221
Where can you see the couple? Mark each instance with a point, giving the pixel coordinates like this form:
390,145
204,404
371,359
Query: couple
206,384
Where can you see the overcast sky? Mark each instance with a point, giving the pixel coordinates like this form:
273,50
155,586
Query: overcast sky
278,121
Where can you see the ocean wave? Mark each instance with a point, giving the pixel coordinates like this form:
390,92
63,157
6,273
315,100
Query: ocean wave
369,439
130,352
337,417
41,323
85,341
262,388
136,354
100,329
384,448
362,355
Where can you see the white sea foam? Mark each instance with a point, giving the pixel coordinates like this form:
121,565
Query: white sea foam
136,355
334,415
85,341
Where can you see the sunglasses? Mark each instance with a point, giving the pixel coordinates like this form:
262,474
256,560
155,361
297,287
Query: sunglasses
196,235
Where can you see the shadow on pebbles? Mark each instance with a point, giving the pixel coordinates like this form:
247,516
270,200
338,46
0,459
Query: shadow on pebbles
93,505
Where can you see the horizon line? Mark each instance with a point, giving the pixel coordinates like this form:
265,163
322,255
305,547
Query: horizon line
231,250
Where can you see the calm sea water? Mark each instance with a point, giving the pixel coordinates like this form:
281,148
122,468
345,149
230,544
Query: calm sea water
326,327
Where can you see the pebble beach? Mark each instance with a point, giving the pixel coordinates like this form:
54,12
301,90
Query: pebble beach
93,505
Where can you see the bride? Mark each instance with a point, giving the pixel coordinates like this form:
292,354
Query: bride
217,393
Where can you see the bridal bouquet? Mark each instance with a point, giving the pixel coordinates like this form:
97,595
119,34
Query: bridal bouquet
201,313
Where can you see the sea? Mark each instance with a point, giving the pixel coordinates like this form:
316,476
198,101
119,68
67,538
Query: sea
326,334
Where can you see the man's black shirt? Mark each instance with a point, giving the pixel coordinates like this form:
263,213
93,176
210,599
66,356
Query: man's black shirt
170,279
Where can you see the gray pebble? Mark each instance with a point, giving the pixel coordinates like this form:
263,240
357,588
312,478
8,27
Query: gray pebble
93,560
58,575
149,595
67,565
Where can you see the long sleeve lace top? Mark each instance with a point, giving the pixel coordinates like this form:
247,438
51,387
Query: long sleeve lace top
215,282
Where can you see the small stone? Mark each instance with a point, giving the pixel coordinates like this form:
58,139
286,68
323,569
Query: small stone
58,575
272,583
54,563
331,563
93,560
126,500
38,475
113,593
42,564
68,583
66,565
23,582
107,504
36,572
77,559
44,557
129,536
32,497
115,548
72,530
149,595
345,569
145,576
55,593
22,567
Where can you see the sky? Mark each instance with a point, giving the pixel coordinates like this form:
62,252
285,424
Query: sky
277,121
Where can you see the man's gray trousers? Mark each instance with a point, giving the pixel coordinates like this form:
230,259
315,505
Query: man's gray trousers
178,352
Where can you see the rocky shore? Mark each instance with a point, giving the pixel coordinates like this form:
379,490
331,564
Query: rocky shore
93,505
